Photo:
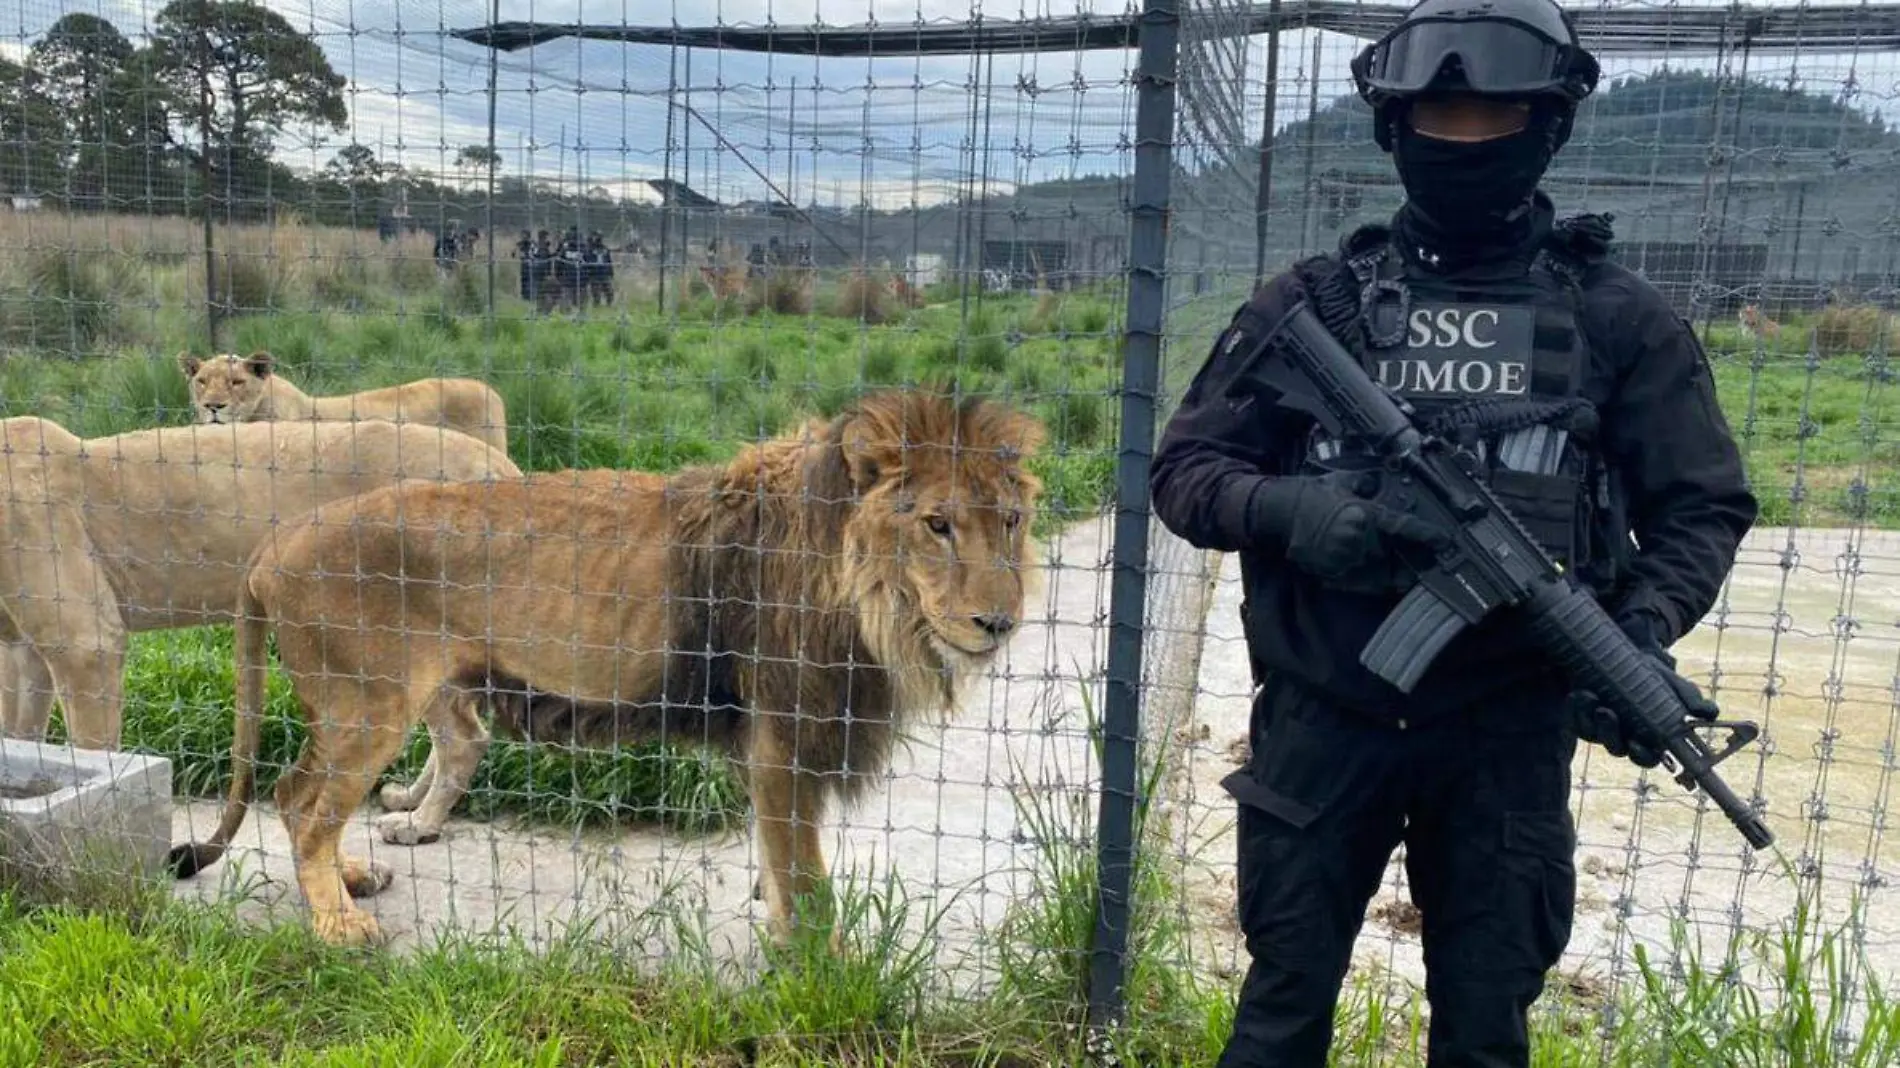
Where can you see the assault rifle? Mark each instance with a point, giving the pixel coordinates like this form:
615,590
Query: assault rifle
1490,562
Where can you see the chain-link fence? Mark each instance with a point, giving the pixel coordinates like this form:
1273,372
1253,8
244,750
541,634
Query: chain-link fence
640,243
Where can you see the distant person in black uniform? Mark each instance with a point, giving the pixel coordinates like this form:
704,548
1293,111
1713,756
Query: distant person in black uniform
600,271
445,250
1589,404
545,291
524,251
567,267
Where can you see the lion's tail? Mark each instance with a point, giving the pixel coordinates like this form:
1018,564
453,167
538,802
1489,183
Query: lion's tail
253,670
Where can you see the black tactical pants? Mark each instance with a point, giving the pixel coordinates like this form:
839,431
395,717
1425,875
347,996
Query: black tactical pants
1479,802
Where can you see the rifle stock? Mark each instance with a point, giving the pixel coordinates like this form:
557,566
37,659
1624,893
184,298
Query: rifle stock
1491,562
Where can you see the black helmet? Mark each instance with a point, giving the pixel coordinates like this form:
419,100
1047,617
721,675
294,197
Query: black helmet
1514,48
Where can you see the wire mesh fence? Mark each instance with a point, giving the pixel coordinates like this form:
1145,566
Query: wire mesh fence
640,243
623,259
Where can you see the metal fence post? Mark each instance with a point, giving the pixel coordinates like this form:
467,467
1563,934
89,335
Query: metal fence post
1141,372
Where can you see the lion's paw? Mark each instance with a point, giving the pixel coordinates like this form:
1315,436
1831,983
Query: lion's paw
399,797
347,927
367,878
401,828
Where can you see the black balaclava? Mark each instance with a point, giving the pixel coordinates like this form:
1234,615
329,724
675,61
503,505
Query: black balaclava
1465,199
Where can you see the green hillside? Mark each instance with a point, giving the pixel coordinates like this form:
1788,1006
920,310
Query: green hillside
1660,124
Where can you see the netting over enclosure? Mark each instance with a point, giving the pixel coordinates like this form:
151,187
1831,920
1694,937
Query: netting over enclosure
776,306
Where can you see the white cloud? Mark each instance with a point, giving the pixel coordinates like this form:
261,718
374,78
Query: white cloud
412,128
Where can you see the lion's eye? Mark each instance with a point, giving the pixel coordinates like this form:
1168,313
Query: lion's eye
1011,518
938,525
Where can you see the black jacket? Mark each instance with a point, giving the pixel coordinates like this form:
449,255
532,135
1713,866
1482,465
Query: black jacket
1684,489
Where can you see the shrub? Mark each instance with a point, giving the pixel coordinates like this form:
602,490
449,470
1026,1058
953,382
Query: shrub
862,299
1856,328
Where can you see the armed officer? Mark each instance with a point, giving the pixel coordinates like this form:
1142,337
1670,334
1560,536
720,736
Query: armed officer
1588,404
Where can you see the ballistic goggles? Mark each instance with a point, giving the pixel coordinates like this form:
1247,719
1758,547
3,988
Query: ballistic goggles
1495,57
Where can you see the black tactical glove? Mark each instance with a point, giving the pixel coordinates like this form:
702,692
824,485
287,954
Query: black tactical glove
1331,531
1605,727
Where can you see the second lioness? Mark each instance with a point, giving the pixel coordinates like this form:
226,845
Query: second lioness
228,388
152,530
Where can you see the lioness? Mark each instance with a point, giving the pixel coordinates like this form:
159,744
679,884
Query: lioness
152,529
793,608
228,388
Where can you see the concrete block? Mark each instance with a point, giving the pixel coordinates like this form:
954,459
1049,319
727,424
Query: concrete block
72,815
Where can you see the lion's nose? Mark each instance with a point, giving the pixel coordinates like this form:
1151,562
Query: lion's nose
213,407
996,625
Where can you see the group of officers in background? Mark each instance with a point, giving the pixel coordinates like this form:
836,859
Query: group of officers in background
565,274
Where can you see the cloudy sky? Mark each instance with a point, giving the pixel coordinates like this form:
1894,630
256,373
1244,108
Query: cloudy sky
890,130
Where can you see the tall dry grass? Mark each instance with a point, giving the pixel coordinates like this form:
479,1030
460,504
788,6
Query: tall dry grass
1856,328
786,291
865,299
90,285
75,285
80,285
288,251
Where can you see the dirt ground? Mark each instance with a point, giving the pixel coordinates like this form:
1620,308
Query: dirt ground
1805,640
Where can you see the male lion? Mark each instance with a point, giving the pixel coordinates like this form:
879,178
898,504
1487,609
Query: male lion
152,529
228,388
792,608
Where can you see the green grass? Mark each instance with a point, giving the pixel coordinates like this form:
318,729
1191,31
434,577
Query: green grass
136,979
179,693
632,388
1819,427
175,984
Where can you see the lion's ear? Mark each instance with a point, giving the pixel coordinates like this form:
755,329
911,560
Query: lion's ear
867,457
862,461
189,364
1026,435
260,363
1013,433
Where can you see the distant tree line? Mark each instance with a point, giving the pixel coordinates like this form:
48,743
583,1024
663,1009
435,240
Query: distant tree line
187,125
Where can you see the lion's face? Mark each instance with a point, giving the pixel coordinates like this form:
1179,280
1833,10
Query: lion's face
964,557
947,529
226,388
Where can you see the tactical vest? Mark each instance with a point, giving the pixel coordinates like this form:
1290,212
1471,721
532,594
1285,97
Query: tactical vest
1499,369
